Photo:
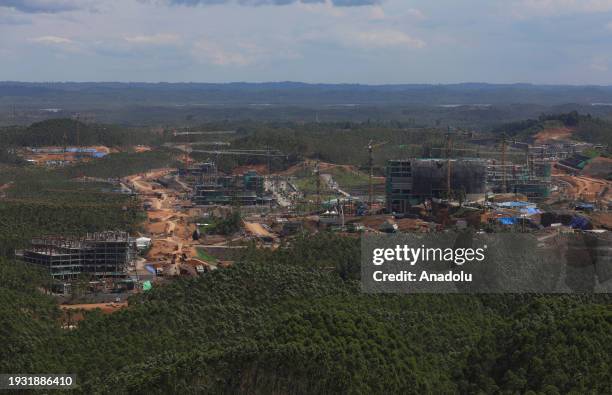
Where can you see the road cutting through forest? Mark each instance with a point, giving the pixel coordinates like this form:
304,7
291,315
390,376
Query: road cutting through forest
168,224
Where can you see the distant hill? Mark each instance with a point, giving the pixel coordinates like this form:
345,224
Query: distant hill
295,93
464,105
568,126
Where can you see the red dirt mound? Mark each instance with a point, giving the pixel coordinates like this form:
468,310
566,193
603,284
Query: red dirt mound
553,134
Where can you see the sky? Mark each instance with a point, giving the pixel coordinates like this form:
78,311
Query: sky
316,41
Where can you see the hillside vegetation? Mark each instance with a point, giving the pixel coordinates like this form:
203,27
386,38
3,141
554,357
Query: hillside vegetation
335,142
43,201
584,127
66,132
295,321
121,164
36,208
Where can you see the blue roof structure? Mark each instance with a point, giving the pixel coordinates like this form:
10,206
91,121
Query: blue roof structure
507,221
514,204
531,211
579,223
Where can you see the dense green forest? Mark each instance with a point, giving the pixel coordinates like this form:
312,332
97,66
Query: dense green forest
47,201
39,206
66,132
325,141
295,321
122,164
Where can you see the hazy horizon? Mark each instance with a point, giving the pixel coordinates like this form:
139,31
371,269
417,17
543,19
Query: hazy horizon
271,82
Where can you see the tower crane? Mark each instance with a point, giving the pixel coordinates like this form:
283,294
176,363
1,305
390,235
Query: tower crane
271,153
318,184
449,149
268,153
504,148
175,133
371,147
529,157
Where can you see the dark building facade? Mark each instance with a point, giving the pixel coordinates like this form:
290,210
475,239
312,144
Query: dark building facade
412,181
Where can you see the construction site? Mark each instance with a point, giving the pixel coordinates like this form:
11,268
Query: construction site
199,218
97,256
210,188
61,156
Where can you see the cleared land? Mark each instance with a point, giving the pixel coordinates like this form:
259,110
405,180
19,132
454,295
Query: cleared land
553,134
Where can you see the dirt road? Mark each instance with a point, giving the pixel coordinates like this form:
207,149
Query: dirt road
587,188
258,230
105,307
167,223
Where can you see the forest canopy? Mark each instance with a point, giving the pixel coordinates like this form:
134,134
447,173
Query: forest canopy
295,321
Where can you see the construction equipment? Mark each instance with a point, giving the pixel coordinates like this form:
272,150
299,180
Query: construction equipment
214,143
175,133
448,151
318,183
267,153
371,146
186,147
449,147
504,147
78,132
529,156
213,175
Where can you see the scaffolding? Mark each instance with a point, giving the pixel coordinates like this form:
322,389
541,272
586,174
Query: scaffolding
413,181
532,179
214,189
96,255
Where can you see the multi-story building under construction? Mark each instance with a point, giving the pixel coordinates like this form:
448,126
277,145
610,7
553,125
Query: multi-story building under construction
412,181
532,180
212,189
95,255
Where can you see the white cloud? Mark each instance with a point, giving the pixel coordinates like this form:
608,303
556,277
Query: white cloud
535,8
242,51
51,40
334,3
63,44
377,13
49,6
414,13
599,64
322,8
385,39
155,39
208,51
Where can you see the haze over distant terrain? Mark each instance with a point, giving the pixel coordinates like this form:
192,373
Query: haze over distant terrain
295,93
469,105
